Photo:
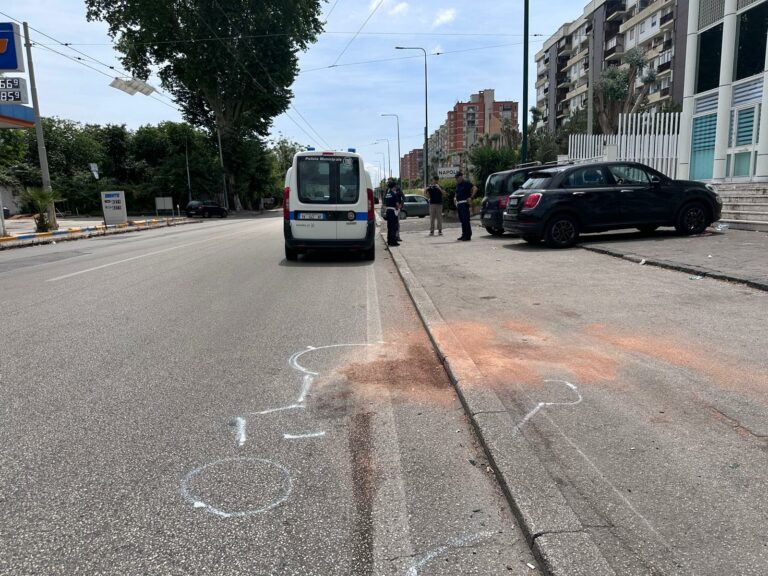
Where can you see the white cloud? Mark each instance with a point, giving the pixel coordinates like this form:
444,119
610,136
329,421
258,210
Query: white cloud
444,16
401,8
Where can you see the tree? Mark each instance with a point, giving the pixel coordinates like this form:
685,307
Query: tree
221,60
615,90
486,160
39,200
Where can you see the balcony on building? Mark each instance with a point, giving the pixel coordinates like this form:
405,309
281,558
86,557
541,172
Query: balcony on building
664,92
667,21
614,48
615,10
667,45
664,67
563,80
564,47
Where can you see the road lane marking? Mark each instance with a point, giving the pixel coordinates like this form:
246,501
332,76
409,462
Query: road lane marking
138,257
302,436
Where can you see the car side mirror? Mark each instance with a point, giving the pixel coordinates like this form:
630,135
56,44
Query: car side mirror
655,181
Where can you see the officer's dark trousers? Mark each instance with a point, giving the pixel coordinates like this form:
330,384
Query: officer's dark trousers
466,229
392,223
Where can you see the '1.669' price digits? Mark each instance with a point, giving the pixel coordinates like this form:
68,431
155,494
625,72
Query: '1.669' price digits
10,83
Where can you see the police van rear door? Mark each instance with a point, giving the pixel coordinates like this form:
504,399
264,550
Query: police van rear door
352,205
313,213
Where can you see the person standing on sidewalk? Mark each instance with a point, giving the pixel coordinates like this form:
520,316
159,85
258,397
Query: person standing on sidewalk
392,205
465,192
435,195
401,199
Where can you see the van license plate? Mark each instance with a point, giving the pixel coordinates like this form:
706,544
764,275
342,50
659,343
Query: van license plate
513,201
311,216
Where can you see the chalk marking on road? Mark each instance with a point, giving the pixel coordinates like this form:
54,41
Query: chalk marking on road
132,258
303,436
440,550
196,502
280,409
305,388
541,405
240,430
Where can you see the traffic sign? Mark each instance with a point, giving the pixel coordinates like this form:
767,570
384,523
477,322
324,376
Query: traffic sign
11,59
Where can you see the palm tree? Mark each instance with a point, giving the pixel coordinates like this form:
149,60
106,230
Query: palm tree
40,200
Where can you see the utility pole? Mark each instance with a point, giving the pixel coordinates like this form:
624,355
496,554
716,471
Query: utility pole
591,78
186,157
524,148
41,151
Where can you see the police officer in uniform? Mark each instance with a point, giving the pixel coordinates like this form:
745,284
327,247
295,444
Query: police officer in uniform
392,204
465,192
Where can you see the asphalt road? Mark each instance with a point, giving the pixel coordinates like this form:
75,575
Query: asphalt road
184,401
644,391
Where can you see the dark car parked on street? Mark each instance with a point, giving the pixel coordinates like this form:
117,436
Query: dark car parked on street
557,204
205,209
498,188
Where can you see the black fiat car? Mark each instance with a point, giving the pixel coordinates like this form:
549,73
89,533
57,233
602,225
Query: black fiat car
498,188
557,204
206,209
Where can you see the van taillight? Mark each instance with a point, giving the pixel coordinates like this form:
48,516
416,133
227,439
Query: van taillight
532,201
503,201
286,207
370,205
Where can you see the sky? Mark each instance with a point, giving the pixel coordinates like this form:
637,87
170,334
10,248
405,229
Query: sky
481,42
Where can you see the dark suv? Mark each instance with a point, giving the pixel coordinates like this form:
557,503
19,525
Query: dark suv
557,204
498,188
206,209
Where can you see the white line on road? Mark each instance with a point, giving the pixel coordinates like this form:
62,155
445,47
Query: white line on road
302,436
455,543
132,258
281,409
240,431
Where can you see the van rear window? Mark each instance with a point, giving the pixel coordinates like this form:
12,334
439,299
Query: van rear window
328,179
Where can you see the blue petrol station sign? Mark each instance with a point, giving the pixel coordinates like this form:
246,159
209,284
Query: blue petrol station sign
10,48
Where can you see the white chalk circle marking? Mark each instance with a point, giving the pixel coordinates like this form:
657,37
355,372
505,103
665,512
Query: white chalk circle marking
196,502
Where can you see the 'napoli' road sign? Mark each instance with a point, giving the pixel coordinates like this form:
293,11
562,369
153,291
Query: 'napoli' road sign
10,48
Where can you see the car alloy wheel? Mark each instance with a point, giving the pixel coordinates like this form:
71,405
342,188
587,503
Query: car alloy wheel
692,220
562,232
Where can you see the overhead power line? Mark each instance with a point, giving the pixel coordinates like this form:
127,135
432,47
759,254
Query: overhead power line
358,31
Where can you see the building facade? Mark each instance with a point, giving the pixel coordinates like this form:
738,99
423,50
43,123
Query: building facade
412,165
724,131
469,123
579,51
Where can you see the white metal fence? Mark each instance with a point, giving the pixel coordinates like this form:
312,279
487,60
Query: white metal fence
647,138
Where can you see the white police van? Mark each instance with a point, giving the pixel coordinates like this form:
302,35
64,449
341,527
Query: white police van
328,204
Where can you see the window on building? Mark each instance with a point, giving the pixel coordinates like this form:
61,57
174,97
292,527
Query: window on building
703,147
708,68
641,28
750,50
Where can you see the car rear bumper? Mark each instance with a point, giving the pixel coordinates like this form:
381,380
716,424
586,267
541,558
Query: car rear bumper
365,243
492,219
515,226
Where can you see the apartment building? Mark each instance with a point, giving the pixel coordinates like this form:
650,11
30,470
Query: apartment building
467,124
580,50
724,131
412,165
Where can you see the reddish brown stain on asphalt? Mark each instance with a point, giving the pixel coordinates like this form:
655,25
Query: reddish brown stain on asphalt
728,373
526,360
408,368
523,328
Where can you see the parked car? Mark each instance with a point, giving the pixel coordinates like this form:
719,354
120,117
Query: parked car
557,204
498,187
414,205
205,209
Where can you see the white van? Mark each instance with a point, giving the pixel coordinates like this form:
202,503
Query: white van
328,204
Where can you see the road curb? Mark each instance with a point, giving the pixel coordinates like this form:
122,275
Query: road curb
551,528
76,233
688,269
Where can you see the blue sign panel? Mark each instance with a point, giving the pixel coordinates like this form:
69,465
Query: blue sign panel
10,48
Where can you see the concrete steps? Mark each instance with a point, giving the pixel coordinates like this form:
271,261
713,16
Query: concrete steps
745,205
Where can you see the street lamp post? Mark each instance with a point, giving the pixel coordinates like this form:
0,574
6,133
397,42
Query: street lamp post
389,157
426,112
383,163
399,158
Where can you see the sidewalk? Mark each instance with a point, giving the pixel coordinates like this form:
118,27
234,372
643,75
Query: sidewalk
458,288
